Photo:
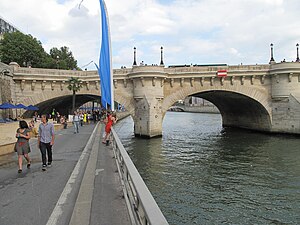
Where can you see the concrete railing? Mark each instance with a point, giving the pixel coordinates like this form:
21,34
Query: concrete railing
142,207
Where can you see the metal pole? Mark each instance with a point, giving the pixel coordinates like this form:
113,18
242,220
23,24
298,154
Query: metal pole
297,59
272,53
134,56
57,57
161,56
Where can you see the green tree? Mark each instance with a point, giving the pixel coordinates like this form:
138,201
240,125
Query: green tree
74,86
23,49
28,51
64,58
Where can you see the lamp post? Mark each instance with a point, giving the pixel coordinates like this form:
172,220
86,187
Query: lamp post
57,62
161,56
297,59
272,54
134,56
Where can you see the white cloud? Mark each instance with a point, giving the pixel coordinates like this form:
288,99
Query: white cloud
77,11
192,31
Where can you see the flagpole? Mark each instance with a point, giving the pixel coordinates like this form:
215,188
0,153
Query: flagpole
112,107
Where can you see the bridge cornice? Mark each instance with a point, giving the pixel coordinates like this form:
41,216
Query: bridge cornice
148,74
240,70
36,74
285,68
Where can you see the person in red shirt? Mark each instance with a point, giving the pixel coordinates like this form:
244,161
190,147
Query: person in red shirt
109,121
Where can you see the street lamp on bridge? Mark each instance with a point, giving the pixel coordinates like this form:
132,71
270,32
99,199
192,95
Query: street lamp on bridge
134,56
57,61
272,54
297,59
161,56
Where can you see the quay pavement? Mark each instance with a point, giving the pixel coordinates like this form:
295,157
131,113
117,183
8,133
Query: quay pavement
82,187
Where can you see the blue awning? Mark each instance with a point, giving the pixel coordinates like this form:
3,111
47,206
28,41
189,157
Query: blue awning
32,108
7,106
20,106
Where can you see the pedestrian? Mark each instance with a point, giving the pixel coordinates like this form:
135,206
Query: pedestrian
81,119
76,120
98,115
53,114
58,117
85,118
32,129
46,141
110,120
22,145
63,121
94,116
35,117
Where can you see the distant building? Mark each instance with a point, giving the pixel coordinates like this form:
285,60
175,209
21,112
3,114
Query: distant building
6,27
194,101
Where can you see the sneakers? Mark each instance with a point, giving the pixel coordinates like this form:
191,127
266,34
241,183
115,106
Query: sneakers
19,171
49,164
44,168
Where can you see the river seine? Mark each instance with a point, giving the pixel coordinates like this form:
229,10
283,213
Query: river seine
200,173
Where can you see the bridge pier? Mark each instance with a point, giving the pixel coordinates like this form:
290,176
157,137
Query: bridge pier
148,93
148,118
285,94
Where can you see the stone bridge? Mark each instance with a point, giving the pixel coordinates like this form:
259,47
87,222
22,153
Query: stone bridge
257,97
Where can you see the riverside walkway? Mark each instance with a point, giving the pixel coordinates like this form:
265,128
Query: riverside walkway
88,184
83,178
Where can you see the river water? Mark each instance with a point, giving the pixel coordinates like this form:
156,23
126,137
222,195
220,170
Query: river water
200,173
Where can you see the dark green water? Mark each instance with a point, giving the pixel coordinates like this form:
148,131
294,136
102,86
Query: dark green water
202,174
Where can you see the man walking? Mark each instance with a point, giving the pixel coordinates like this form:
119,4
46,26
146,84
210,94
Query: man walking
76,120
81,119
46,141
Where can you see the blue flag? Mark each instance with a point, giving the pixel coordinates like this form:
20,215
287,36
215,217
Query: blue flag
102,88
105,63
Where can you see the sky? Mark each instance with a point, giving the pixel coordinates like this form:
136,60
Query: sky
191,31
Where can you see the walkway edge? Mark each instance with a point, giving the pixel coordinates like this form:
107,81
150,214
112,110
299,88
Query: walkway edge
58,209
82,210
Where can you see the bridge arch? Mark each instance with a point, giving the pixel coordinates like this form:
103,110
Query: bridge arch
63,102
241,107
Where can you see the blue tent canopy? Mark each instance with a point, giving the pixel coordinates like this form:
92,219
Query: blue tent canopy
7,106
20,106
32,108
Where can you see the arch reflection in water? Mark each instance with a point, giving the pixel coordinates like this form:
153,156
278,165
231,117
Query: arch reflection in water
200,173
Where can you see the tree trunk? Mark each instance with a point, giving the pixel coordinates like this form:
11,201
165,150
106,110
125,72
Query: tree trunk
73,102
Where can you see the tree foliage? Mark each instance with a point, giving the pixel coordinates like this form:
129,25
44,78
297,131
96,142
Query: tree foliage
74,86
64,58
28,51
23,49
